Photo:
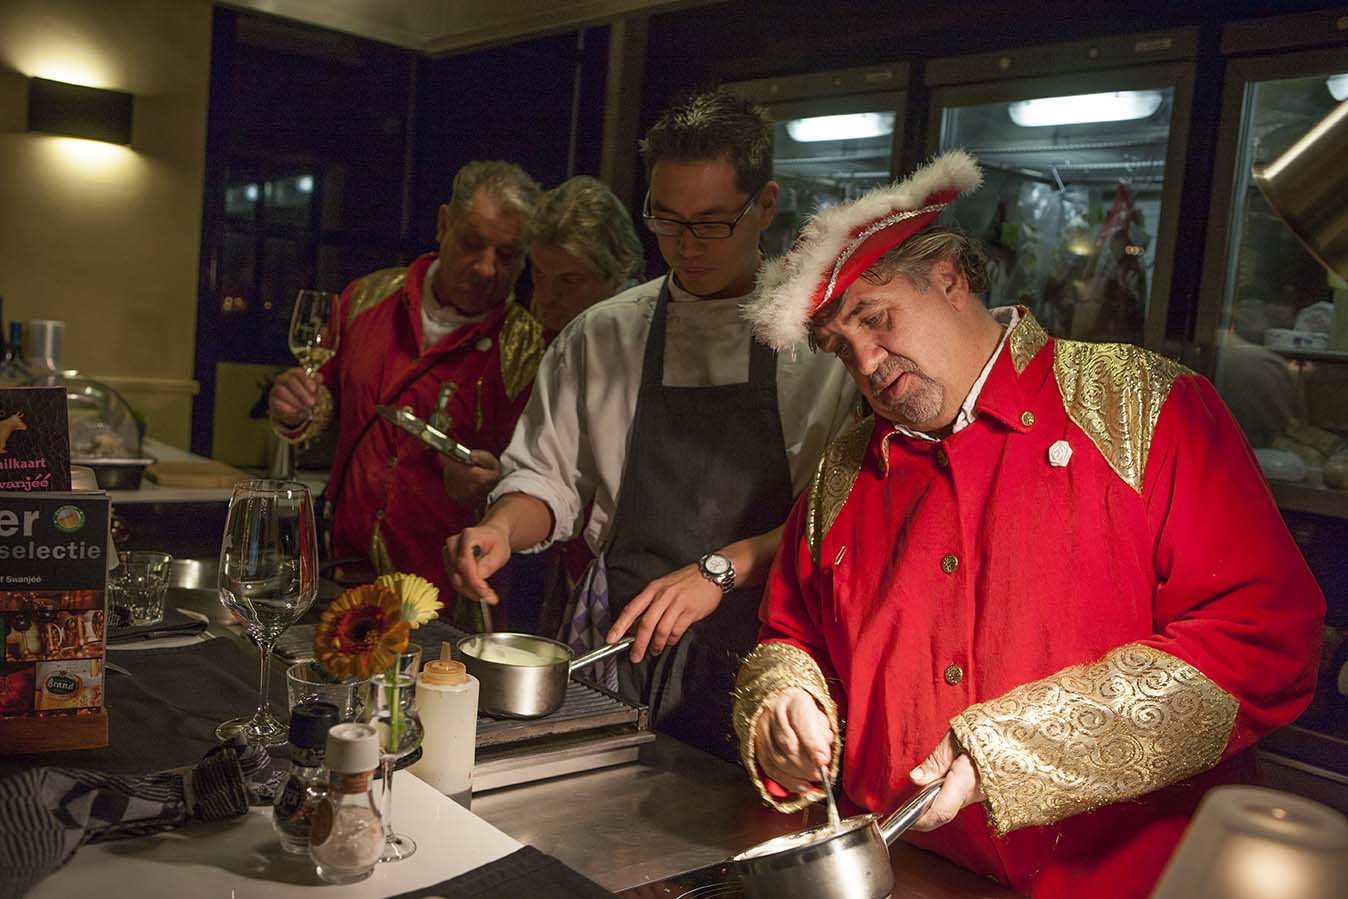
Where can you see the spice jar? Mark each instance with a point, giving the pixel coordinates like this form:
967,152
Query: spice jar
346,833
307,783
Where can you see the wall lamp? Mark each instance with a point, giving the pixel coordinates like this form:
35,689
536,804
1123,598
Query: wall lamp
73,110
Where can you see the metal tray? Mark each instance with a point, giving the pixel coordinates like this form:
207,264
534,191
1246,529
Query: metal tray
116,474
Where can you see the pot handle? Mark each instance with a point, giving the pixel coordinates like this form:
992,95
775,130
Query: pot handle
602,652
907,815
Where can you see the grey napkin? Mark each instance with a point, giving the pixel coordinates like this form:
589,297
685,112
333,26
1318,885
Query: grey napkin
46,814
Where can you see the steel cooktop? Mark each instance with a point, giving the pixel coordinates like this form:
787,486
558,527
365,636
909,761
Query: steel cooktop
711,882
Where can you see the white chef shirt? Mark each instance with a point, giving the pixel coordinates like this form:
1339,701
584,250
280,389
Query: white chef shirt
570,444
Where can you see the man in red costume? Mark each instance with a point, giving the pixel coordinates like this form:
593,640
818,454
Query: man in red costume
1047,571
442,337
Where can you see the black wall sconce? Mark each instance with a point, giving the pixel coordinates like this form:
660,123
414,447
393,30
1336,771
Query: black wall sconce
73,110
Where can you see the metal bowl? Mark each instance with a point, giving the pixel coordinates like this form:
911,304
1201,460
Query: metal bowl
116,474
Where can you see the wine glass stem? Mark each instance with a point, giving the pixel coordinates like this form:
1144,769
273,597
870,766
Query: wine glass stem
264,680
388,798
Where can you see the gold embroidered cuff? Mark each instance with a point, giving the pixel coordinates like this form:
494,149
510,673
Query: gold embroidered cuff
769,669
1091,735
319,419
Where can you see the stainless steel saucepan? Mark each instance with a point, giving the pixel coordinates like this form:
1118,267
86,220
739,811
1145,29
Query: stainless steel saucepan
522,675
849,862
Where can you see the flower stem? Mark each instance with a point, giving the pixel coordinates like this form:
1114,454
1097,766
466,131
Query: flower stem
395,707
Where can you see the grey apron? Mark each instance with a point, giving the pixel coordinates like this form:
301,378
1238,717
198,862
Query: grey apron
705,467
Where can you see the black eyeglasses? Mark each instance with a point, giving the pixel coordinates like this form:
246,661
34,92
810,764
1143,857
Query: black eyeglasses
700,230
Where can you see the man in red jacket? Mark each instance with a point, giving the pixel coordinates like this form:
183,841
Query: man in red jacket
442,337
1047,571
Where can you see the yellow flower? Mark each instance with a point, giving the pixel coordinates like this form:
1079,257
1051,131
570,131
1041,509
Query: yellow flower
361,632
420,598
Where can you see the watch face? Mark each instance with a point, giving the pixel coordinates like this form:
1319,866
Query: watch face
716,564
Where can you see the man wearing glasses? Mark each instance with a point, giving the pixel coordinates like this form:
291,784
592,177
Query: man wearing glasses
672,440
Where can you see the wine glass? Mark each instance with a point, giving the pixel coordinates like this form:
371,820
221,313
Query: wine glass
314,334
399,694
313,329
268,578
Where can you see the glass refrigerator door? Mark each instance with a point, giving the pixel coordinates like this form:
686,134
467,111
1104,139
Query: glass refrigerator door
827,153
1282,345
1070,207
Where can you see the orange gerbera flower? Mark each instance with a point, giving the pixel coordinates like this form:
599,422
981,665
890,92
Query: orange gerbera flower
361,632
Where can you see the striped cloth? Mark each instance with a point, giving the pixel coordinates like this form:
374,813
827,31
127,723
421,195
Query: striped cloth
590,618
46,814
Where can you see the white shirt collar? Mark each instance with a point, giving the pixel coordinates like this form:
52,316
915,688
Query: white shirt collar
678,295
439,319
1007,316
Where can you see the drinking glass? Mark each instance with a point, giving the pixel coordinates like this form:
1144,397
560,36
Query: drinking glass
268,578
397,690
306,682
314,334
313,329
137,586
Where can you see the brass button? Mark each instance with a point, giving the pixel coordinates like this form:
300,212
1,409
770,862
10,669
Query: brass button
1027,418
392,461
942,460
949,562
379,515
954,674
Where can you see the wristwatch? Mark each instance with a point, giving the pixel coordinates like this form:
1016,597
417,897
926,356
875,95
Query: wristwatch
719,570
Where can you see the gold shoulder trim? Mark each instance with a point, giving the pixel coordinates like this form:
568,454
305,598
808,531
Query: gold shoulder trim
769,669
521,348
1134,721
833,480
1114,392
372,288
1026,339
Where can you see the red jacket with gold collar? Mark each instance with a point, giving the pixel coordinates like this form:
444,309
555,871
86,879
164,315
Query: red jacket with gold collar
1106,636
391,503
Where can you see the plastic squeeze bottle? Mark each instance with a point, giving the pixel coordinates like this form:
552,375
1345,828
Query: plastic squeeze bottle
447,700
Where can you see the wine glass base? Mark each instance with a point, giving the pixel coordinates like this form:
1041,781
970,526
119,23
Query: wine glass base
398,847
259,730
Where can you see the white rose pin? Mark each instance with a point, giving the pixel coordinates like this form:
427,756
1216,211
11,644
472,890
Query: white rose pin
1059,454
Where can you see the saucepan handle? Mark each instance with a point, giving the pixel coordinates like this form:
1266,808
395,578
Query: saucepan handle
905,817
602,652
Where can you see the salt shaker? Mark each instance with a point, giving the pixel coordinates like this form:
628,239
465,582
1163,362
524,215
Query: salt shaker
447,702
307,782
346,835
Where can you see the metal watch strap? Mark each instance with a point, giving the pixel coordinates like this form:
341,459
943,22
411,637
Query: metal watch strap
725,581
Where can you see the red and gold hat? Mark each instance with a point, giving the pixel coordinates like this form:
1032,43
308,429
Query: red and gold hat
841,242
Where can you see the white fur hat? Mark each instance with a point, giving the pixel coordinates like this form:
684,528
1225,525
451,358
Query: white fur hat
841,242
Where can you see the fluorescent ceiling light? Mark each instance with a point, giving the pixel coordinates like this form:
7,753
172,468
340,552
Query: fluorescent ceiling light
1338,86
841,127
1117,106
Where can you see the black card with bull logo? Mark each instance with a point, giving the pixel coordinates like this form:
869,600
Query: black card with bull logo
34,439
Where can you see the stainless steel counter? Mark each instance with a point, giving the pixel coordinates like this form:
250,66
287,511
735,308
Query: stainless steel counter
675,810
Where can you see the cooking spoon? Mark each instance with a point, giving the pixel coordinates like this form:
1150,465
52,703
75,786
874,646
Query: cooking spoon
834,821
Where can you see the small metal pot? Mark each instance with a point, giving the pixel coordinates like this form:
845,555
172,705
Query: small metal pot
529,690
821,863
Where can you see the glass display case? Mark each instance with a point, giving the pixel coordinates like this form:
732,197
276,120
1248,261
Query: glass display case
1081,147
1280,343
1272,333
836,136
